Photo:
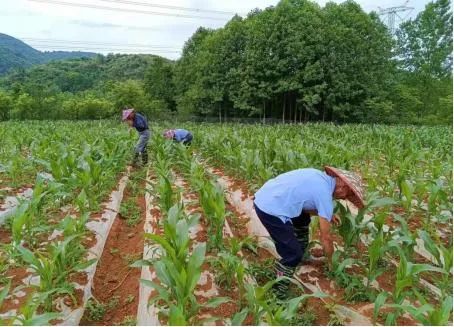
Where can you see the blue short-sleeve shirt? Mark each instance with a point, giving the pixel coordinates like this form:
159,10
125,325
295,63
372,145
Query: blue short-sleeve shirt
181,134
287,195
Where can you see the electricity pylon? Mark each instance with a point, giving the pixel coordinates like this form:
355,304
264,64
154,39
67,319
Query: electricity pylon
392,13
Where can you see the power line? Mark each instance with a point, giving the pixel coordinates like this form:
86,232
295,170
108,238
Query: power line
81,48
126,10
76,42
146,4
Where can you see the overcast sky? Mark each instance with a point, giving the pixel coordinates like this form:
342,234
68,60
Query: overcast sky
47,24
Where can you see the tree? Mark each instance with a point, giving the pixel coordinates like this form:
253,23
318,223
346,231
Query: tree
6,105
425,57
129,93
158,82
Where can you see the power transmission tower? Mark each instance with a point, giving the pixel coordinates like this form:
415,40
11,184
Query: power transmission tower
391,14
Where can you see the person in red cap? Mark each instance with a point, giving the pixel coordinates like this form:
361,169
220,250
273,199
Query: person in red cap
285,204
139,122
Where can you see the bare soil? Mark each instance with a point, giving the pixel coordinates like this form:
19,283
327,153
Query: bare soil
114,279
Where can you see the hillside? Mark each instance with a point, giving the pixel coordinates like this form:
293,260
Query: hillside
16,54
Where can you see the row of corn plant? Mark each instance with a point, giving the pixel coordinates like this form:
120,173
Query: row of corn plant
71,165
406,167
231,272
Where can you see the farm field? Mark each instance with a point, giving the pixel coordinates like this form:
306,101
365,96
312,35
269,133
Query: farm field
86,239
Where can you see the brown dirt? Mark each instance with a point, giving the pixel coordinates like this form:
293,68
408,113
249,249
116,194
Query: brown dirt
16,275
114,277
80,278
5,236
202,236
89,240
401,320
319,309
387,279
78,295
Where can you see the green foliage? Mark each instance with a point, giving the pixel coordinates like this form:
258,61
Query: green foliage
295,62
178,271
15,54
96,310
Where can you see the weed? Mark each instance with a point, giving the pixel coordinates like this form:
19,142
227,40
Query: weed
262,271
96,310
129,299
114,251
128,321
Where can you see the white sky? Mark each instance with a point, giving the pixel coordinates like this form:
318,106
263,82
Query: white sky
25,19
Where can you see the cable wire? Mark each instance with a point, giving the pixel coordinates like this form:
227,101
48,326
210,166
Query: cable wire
147,4
76,42
71,4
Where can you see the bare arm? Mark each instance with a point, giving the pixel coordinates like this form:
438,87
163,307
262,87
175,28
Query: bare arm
325,238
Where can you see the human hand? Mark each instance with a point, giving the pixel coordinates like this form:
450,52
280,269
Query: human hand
336,220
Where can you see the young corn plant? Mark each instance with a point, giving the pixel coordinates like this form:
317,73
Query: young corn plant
54,267
430,314
212,202
230,269
355,289
31,313
444,257
351,226
406,279
178,271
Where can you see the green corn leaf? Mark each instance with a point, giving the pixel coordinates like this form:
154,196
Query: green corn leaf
239,317
4,292
84,265
176,317
163,292
216,301
379,302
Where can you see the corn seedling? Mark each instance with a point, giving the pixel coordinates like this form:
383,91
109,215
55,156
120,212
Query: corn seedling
178,271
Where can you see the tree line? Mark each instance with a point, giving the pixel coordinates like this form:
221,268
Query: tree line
294,62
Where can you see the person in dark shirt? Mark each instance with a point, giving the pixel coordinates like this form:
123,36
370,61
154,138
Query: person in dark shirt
139,122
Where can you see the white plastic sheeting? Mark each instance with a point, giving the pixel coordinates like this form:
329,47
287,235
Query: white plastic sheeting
101,229
148,315
11,203
245,205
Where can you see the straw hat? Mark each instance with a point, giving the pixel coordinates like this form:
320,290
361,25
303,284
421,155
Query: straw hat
169,134
354,182
126,113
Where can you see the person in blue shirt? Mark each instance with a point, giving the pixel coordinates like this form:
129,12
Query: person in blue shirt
139,122
285,204
179,135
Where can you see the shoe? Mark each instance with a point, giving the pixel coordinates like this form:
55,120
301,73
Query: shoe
280,288
144,157
135,160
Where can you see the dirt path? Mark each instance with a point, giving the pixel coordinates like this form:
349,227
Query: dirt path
116,285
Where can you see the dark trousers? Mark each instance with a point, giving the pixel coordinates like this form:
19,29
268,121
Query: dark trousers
284,235
187,140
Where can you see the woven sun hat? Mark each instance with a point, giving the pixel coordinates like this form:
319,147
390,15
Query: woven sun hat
168,134
126,113
354,182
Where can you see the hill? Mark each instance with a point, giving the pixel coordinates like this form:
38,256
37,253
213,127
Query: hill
17,54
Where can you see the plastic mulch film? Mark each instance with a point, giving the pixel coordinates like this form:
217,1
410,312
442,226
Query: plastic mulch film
148,315
245,205
101,229
9,207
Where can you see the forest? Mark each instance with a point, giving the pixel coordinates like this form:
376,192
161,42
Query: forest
295,62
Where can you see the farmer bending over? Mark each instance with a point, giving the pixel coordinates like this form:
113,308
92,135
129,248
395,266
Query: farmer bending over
139,122
178,135
285,204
